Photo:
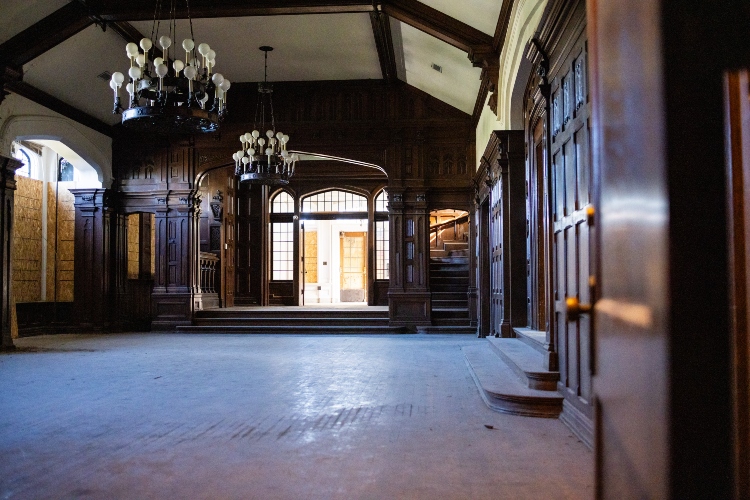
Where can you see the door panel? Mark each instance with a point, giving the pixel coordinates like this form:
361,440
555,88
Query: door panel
571,174
496,269
353,270
229,243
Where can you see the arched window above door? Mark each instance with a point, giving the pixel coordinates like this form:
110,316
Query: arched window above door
282,203
381,201
334,201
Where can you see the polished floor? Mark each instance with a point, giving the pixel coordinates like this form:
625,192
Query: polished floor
260,416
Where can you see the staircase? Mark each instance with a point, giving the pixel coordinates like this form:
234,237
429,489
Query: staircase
305,320
511,377
449,285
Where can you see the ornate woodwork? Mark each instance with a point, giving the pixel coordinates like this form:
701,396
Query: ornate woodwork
502,197
559,248
421,143
8,167
100,265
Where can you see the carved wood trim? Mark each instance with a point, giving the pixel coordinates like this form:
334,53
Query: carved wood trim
142,10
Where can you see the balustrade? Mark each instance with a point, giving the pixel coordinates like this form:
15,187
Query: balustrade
208,263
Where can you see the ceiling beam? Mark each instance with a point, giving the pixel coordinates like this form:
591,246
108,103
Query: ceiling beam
491,67
53,103
143,10
381,29
443,27
45,34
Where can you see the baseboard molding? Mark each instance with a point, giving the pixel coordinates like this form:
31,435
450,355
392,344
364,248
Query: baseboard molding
579,423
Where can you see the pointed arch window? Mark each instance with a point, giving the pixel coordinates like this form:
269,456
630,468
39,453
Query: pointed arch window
282,203
334,201
282,237
382,237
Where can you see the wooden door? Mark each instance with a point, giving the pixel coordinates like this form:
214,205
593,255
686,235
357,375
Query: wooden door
572,273
484,266
496,260
228,252
536,257
631,353
353,266
737,85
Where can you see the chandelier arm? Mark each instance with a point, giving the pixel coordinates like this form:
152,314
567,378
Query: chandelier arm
273,119
258,104
157,9
190,19
158,22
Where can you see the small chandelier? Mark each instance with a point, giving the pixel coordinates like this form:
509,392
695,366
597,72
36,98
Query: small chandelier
187,98
261,160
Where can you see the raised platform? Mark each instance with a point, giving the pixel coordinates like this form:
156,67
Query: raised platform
502,389
320,319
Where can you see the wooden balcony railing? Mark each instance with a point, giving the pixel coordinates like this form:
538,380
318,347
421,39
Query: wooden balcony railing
208,264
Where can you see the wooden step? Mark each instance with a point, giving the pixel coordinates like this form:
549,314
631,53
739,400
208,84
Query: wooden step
285,329
450,312
288,312
503,391
526,362
447,330
449,303
288,321
534,338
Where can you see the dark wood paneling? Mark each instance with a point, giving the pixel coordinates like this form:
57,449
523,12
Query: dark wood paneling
738,142
570,173
8,167
282,293
44,318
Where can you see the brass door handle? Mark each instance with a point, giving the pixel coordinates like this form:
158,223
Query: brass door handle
574,309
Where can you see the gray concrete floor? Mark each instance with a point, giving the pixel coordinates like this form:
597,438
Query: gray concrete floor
256,416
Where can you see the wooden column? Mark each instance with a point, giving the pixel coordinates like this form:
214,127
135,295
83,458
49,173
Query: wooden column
8,167
511,170
100,259
176,295
144,246
409,293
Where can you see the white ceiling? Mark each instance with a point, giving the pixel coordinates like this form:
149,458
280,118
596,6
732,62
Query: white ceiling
69,71
17,15
458,83
481,14
306,47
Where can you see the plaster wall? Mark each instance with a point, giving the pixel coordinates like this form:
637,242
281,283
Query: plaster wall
524,20
21,118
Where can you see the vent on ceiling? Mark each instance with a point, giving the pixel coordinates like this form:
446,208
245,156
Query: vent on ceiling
104,75
437,68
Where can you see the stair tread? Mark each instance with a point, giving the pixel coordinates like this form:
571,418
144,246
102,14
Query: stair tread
288,329
503,391
524,357
447,329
